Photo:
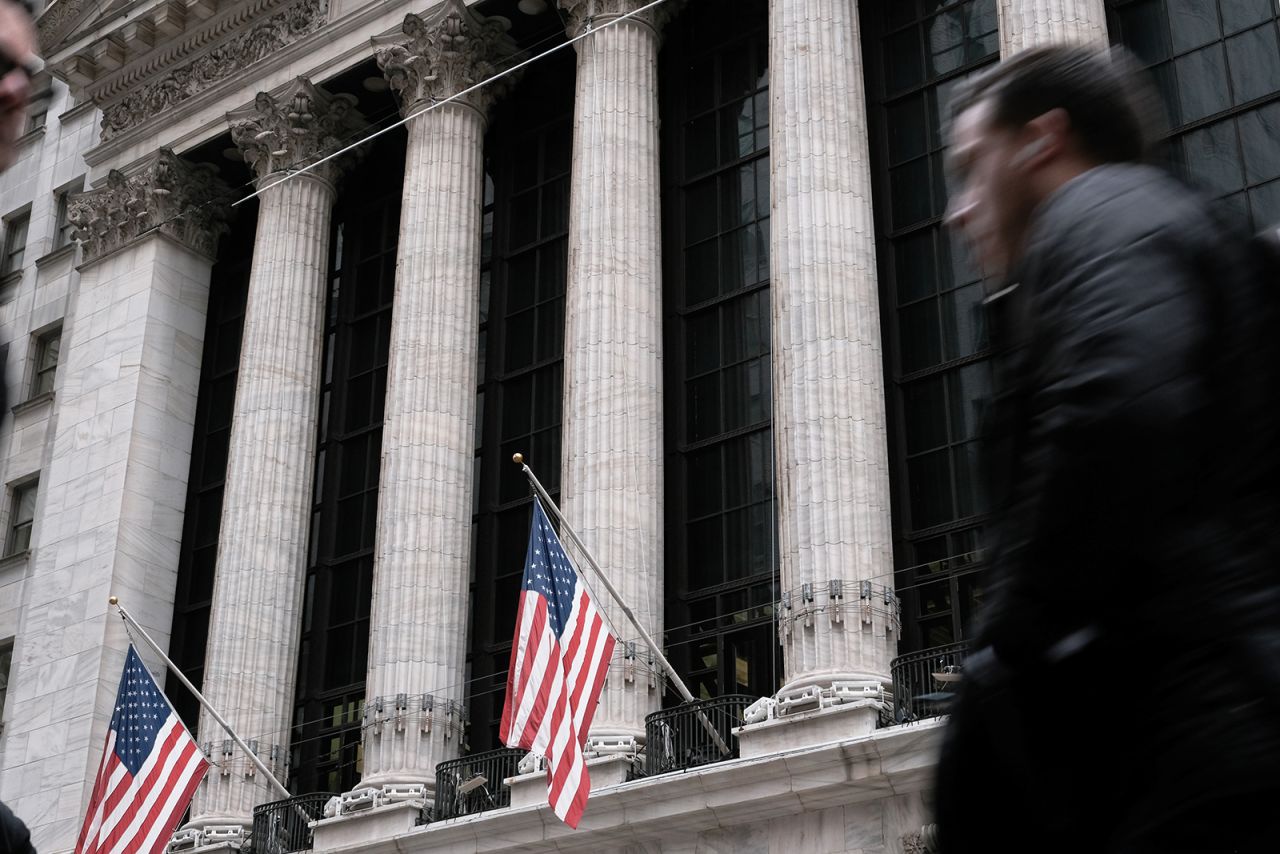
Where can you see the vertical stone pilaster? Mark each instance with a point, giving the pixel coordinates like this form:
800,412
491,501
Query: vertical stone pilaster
417,644
113,492
251,662
838,616
1029,23
612,477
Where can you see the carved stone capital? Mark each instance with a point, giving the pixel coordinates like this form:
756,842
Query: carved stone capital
294,128
450,50
185,201
592,13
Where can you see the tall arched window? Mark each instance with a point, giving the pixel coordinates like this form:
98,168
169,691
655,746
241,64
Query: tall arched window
334,647
916,52
522,358
721,547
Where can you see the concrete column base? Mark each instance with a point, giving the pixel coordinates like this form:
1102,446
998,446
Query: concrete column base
330,834
531,789
807,729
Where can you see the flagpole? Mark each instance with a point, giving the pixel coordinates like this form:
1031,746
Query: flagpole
518,459
173,668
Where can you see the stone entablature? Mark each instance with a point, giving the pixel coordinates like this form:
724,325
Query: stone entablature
176,49
184,201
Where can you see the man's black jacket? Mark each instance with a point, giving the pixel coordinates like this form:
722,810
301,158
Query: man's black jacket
1135,614
14,838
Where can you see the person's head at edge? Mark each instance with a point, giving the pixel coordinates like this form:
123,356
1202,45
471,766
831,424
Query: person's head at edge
17,62
1030,125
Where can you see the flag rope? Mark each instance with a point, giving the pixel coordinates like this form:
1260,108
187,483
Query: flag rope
253,757
518,459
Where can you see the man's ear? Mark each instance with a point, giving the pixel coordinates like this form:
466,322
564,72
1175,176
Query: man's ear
1046,135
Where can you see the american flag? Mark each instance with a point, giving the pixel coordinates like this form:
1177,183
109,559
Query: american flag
150,768
558,664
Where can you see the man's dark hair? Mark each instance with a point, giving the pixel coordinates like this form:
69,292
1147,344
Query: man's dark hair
28,5
1113,109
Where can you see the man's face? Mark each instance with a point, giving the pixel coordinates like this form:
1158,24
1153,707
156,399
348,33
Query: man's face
17,47
991,199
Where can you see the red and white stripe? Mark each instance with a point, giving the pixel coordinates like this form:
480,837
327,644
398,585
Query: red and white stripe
552,690
136,814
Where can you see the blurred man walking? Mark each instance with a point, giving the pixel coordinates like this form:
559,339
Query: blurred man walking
1124,695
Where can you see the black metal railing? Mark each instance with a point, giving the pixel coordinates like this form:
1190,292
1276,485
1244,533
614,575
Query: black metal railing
284,826
924,682
475,783
693,734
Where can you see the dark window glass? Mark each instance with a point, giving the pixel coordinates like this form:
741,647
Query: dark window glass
719,499
332,664
528,157
228,289
935,334
1254,57
1217,66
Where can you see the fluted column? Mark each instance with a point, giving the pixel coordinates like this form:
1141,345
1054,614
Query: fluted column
262,546
611,481
838,617
1028,23
417,644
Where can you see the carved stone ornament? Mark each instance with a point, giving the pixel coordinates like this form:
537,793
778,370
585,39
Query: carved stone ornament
584,13
452,49
286,132
231,57
185,201
912,843
52,23
922,841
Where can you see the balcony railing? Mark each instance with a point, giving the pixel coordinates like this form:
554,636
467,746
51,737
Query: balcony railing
693,734
284,826
474,783
924,682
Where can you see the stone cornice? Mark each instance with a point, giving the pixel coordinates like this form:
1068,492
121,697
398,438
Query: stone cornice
294,127
186,202
175,49
445,53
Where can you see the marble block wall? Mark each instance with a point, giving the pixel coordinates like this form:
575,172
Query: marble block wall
110,520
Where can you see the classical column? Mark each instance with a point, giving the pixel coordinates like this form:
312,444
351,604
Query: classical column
838,615
1028,23
418,643
611,481
262,546
113,490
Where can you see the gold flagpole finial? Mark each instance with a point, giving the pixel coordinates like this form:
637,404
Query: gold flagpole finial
114,600
517,458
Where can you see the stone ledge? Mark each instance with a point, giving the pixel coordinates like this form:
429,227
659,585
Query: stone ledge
14,565
811,727
32,403
9,283
28,137
56,255
887,763
359,828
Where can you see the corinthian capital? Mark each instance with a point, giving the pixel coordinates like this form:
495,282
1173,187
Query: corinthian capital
452,49
591,13
185,201
294,128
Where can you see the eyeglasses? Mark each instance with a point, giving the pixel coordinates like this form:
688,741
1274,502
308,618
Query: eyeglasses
31,66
